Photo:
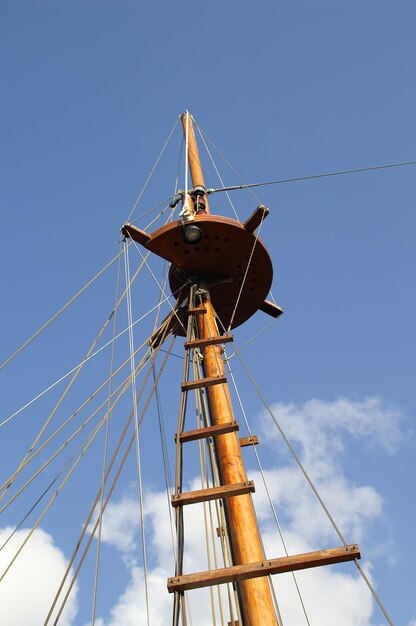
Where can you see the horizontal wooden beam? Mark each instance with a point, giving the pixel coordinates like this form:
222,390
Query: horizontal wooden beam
128,230
213,493
264,568
249,441
208,431
207,341
256,218
203,382
193,311
271,309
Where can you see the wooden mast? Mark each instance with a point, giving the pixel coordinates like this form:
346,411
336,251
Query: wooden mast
216,269
255,594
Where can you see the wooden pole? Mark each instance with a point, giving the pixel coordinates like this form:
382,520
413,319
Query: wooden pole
193,154
255,594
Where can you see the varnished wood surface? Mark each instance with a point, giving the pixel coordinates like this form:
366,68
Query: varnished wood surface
208,431
256,218
221,259
249,441
264,568
255,594
271,309
207,341
203,382
193,154
213,493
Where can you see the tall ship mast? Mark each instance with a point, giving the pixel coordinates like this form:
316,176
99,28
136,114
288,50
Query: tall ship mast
221,274
217,274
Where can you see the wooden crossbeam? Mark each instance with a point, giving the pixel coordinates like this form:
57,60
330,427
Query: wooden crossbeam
128,230
255,218
207,341
203,382
263,568
208,431
193,311
213,493
271,309
249,441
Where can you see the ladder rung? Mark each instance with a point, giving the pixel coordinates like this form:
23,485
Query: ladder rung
213,493
263,568
234,623
209,431
203,382
207,341
249,441
194,310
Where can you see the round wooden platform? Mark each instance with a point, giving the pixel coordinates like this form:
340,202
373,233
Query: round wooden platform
220,260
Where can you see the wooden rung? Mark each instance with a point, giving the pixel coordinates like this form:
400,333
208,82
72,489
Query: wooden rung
220,531
203,382
249,441
256,218
209,431
207,341
234,623
193,311
213,493
263,568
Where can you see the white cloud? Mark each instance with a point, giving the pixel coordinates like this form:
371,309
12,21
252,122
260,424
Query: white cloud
25,592
120,524
321,431
130,609
322,427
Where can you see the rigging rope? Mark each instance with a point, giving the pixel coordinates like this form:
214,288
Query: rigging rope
61,399
162,430
227,162
136,426
46,509
218,173
105,451
273,508
125,384
167,298
243,282
30,458
61,310
281,181
59,380
5,421
45,491
152,170
110,466
313,487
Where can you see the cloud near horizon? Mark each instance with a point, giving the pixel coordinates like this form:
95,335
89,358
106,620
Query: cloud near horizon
25,592
322,432
320,429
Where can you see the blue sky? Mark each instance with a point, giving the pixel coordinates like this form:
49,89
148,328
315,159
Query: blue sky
90,92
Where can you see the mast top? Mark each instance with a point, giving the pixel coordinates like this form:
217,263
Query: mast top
223,254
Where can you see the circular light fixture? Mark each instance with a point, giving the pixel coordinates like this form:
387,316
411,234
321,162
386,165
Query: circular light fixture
192,234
